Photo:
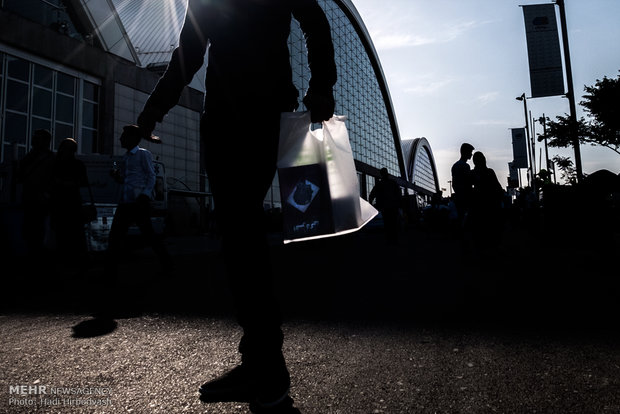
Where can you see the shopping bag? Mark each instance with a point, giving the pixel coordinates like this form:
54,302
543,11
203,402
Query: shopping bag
319,188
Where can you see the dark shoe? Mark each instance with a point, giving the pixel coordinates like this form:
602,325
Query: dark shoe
283,407
273,389
235,385
266,390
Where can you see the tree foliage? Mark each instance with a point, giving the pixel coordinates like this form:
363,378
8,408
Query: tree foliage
602,104
567,169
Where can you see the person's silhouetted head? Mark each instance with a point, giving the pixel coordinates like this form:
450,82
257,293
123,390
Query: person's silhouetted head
130,137
466,150
41,139
67,148
68,145
384,173
479,160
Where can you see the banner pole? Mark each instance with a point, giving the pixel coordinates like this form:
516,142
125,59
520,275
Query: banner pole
570,94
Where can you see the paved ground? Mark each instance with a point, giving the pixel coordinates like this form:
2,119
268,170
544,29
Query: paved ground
416,328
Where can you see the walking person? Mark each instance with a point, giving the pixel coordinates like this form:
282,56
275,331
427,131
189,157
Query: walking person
462,186
137,175
248,86
486,207
461,182
388,196
68,177
35,174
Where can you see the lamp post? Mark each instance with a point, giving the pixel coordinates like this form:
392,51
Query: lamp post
531,179
543,121
572,120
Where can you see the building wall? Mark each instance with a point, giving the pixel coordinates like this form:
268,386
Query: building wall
121,90
421,169
361,94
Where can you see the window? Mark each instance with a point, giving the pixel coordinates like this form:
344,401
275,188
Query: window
16,104
90,117
38,97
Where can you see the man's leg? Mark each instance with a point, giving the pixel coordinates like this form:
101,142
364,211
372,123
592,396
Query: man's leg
34,232
120,225
239,182
142,214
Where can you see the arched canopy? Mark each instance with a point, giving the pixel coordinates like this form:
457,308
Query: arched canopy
421,169
356,20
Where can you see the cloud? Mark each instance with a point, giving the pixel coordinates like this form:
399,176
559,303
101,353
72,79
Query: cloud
491,122
399,40
426,87
457,29
396,36
488,97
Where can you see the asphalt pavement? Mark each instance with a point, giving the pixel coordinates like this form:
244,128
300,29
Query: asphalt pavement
369,327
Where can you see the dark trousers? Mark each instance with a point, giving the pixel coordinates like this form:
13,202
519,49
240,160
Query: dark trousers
34,228
241,152
127,214
68,226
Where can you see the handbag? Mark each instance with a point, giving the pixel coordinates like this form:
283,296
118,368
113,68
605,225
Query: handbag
318,181
89,211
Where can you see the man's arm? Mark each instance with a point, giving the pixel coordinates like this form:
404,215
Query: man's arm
186,60
372,195
314,24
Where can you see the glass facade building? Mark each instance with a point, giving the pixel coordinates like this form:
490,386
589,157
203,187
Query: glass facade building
421,169
36,95
39,93
83,82
361,94
358,92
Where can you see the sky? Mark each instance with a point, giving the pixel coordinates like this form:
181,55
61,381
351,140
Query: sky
455,67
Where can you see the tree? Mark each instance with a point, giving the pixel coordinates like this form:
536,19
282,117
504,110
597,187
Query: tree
565,165
602,104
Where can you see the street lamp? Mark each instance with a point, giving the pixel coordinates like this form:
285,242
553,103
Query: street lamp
570,94
543,121
529,145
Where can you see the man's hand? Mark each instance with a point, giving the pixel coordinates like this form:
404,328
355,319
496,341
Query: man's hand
321,105
146,122
115,173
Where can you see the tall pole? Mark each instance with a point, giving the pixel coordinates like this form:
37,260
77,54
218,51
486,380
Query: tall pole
571,92
533,140
543,121
530,179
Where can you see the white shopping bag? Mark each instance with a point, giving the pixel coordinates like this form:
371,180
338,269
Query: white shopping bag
318,181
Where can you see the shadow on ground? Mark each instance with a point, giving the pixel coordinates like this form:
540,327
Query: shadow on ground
424,279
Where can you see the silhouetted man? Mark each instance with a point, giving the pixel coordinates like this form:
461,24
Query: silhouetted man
35,174
388,196
138,182
67,219
248,85
462,183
